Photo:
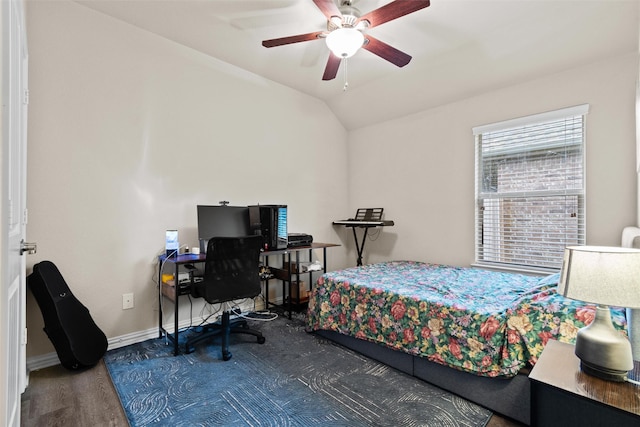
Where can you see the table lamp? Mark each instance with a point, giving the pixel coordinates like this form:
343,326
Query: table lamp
605,276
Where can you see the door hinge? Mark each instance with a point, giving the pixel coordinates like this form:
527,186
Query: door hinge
25,216
25,101
24,337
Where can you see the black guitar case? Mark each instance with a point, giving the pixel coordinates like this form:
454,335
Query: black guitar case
77,339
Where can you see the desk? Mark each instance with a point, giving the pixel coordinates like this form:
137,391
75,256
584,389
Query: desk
174,292
287,273
563,395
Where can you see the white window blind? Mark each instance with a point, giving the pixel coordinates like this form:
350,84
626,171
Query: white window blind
530,189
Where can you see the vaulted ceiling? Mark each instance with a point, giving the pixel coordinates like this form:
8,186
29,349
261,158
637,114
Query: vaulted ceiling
460,48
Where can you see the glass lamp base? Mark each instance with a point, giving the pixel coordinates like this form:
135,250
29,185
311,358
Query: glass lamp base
603,351
604,373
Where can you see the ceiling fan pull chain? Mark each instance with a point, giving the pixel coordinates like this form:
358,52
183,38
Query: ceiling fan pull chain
346,83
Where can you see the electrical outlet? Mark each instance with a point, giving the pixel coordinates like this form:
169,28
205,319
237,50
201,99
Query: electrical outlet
127,301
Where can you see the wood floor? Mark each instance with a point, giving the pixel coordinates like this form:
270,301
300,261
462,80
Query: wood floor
59,397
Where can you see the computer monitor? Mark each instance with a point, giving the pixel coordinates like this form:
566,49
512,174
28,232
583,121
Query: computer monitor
221,221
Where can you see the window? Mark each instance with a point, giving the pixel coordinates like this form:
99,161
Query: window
530,189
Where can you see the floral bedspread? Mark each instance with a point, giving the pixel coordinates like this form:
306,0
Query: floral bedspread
479,321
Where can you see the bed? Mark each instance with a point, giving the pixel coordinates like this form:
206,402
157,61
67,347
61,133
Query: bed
472,331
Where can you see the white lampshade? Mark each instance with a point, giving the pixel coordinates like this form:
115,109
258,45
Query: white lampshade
345,42
601,275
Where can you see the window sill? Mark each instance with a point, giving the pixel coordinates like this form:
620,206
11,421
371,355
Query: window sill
515,269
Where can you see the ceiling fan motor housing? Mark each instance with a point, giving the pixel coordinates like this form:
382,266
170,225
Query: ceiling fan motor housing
350,16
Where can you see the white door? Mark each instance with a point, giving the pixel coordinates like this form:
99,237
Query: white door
13,210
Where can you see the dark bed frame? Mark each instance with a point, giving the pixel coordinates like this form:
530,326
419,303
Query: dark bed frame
507,396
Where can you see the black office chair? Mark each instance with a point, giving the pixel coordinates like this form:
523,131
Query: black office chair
231,272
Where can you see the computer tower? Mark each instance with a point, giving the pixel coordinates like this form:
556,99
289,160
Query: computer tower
270,222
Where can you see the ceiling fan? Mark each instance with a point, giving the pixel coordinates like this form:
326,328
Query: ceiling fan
346,28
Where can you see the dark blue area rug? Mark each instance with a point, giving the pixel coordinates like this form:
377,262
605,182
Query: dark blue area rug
294,379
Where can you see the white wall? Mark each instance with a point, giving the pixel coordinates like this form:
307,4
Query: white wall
425,179
128,132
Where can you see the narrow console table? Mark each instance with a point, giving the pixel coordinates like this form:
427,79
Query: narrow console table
288,275
173,290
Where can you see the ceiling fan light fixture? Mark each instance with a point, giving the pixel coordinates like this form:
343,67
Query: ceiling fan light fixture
345,42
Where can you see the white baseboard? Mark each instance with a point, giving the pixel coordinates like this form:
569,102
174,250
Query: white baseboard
51,359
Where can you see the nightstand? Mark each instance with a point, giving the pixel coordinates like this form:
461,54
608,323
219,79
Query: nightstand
562,395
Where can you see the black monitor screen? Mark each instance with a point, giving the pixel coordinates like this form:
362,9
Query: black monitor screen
222,221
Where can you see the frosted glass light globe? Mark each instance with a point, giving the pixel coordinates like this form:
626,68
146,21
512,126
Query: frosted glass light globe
345,42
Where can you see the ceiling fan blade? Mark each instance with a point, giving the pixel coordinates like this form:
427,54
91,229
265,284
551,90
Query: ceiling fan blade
331,70
292,39
392,11
328,8
387,52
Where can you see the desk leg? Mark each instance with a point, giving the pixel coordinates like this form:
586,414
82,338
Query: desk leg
297,285
286,261
266,285
160,300
176,349
309,288
324,260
